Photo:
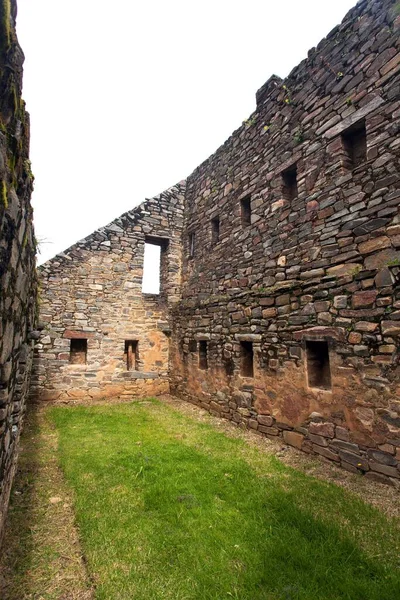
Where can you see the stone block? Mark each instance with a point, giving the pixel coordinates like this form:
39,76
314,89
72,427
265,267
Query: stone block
340,301
293,439
354,459
265,420
268,430
385,469
384,278
326,453
391,328
345,446
374,244
323,429
382,458
318,439
363,299
342,434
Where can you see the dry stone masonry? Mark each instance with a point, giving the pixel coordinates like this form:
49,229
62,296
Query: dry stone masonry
17,252
102,336
280,300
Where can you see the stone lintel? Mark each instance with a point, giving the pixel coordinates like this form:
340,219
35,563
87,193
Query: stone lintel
353,118
140,375
202,337
321,334
248,337
78,335
288,163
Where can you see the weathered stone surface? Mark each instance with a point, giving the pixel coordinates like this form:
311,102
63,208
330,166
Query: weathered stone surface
326,453
290,306
318,439
17,254
374,245
384,469
390,328
354,459
293,439
112,313
336,333
382,458
384,278
265,420
382,259
363,299
323,429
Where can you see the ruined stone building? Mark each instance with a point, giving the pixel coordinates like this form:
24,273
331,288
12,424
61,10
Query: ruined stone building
279,303
17,252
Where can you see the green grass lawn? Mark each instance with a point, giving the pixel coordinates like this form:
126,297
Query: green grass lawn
170,508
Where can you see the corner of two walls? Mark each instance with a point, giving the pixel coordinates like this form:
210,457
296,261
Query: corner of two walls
93,292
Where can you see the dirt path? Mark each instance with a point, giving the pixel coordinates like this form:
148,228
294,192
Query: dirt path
41,558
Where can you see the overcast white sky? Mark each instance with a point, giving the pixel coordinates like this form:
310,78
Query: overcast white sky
128,97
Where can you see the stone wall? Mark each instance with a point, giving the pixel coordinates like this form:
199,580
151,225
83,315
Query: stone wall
17,251
289,322
102,337
280,268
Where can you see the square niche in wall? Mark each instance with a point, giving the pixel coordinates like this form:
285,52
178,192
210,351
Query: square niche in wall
78,351
289,183
215,230
132,355
191,244
246,359
245,211
354,141
203,355
318,365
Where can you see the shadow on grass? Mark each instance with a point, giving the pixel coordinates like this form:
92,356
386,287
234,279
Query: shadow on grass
306,557
284,551
190,519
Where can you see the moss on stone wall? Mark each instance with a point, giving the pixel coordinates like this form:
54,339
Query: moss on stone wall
5,34
17,252
4,195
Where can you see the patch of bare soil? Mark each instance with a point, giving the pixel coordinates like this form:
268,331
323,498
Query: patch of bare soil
383,497
41,557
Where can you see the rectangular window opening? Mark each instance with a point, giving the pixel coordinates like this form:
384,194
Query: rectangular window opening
245,211
191,244
215,230
203,357
355,145
289,183
78,352
132,355
318,367
246,362
155,268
